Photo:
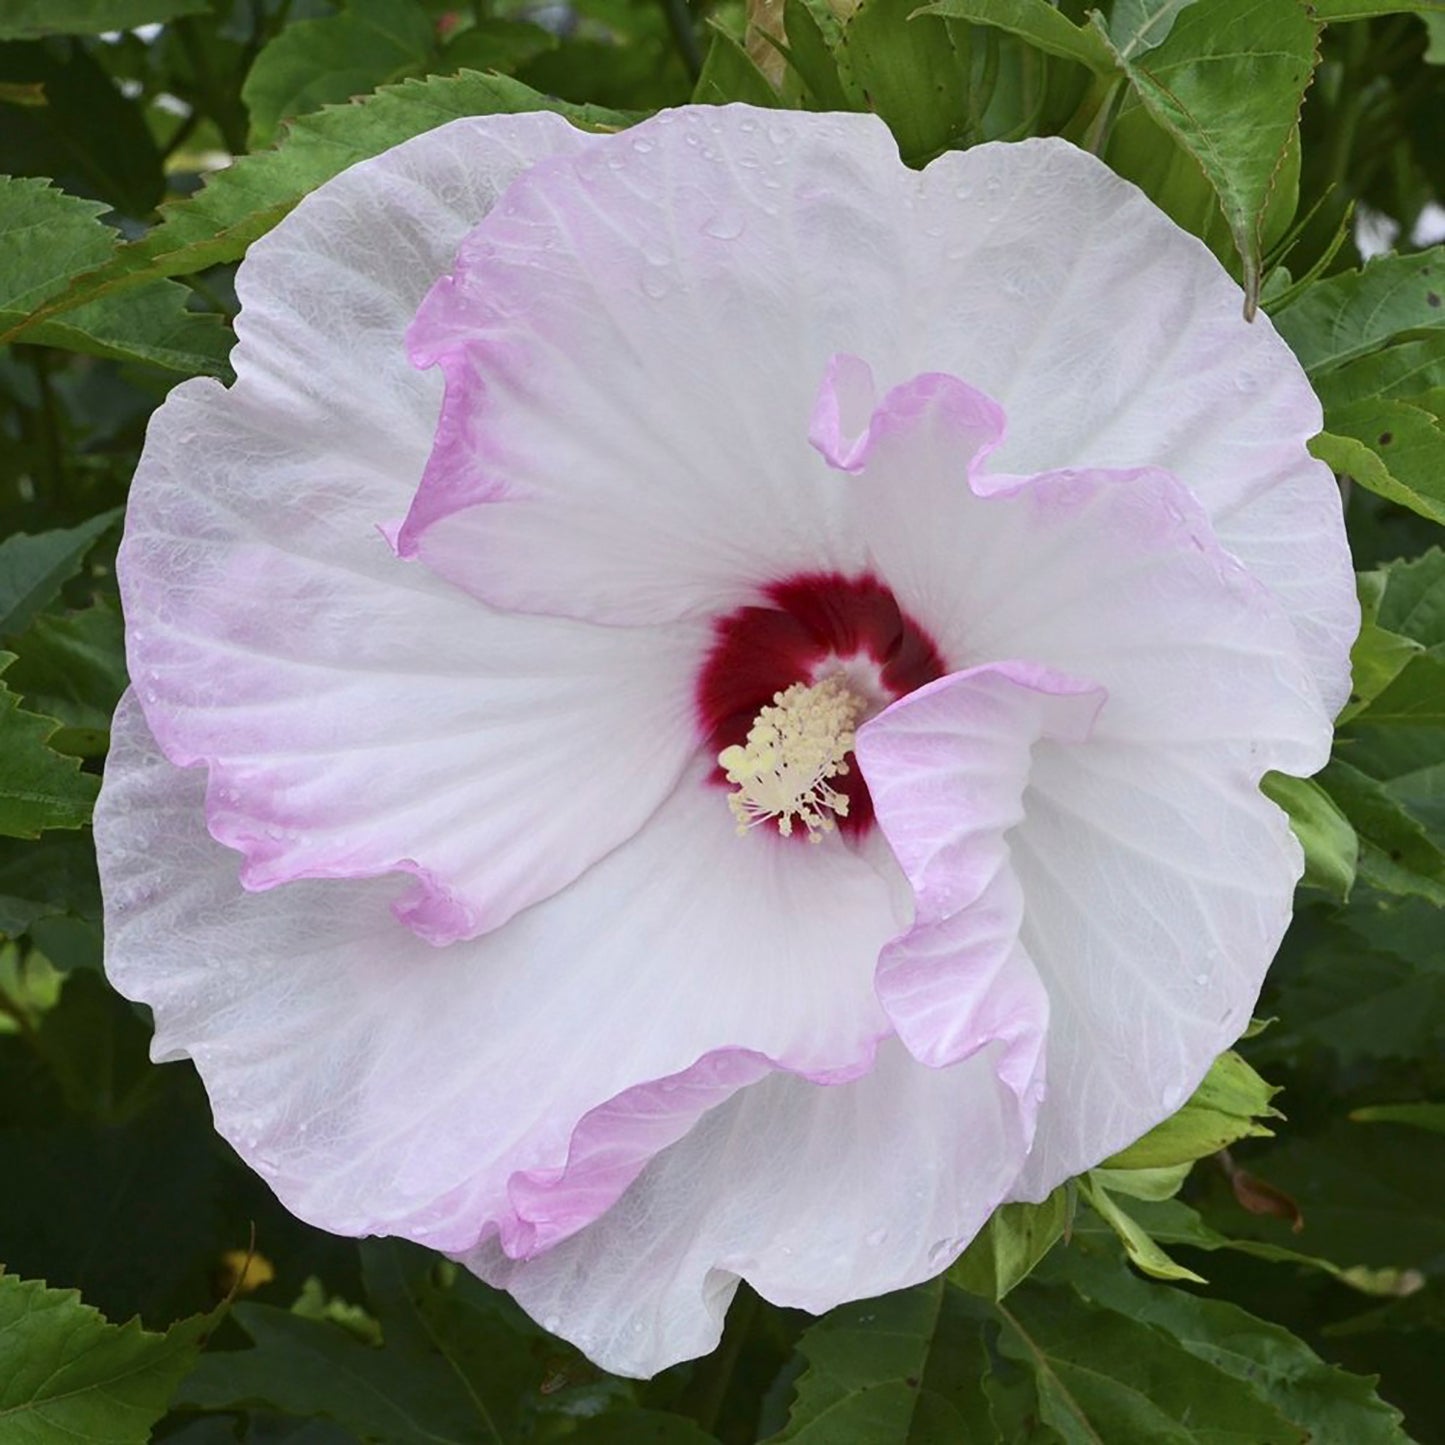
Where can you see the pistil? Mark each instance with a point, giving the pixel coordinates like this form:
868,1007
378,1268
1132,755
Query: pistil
794,748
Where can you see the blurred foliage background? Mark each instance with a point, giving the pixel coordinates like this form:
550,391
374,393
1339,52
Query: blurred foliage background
146,143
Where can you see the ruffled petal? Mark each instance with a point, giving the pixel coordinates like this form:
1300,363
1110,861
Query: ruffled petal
813,1194
686,273
631,344
1158,884
1114,339
382,1086
1116,577
947,767
1156,879
358,715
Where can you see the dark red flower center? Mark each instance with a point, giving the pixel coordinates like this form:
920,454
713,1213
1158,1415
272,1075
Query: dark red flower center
807,627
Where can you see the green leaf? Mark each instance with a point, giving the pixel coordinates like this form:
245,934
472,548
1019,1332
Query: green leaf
1226,1106
1015,1239
67,1374
34,568
1151,1184
1039,23
1104,1378
246,199
1227,84
1377,658
30,19
151,324
1419,1116
639,1427
72,668
1394,448
319,62
1367,983
1328,1406
1169,1221
1330,846
814,36
1358,312
1141,150
1408,597
915,73
53,875
729,74
38,787
1333,11
867,1380
1139,26
1397,855
1144,1253
456,1364
46,239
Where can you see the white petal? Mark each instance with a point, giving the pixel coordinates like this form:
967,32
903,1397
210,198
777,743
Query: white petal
1157,887
813,1194
382,1086
687,274
1114,339
359,715
946,767
631,345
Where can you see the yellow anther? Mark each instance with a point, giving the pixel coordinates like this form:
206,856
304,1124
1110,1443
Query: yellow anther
793,748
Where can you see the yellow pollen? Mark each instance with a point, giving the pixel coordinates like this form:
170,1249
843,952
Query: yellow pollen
793,748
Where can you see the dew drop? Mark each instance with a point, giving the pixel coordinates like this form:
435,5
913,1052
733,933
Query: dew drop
656,255
550,1323
1172,1097
1201,979
642,145
655,286
877,1237
725,226
940,1250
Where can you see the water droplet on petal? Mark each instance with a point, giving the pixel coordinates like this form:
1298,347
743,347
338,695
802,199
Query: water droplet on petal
940,1250
550,1323
725,226
877,1237
642,145
655,285
1172,1097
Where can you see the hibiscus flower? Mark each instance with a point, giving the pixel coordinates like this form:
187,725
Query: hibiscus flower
698,705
